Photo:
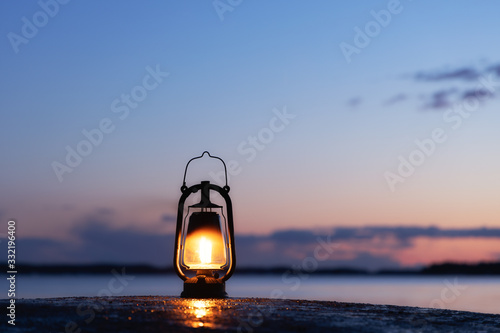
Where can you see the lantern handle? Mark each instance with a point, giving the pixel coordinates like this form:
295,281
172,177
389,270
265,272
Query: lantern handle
184,187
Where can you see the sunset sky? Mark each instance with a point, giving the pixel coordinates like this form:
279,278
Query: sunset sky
376,117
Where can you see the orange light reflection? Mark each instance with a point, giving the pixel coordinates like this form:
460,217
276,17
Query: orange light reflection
201,312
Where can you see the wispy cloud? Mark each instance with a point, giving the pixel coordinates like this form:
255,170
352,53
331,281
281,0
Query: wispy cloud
440,99
476,93
465,74
449,87
470,86
354,102
495,69
168,218
396,99
405,233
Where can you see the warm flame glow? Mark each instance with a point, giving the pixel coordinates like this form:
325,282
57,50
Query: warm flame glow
205,251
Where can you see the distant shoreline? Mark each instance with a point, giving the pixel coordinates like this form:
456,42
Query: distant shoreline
437,269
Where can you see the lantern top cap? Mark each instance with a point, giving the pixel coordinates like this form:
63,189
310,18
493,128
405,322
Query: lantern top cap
205,197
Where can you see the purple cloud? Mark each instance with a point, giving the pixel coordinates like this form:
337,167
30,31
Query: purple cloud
353,102
466,74
396,99
368,247
440,99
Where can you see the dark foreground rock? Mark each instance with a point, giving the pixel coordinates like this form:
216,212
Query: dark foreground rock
173,314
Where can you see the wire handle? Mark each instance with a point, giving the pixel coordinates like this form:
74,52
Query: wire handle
184,187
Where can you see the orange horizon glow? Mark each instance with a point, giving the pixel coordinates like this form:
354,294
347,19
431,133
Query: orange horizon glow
427,251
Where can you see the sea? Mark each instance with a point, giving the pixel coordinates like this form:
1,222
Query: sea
465,293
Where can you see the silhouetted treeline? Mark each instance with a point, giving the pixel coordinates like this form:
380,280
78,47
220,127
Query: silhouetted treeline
90,269
437,269
466,269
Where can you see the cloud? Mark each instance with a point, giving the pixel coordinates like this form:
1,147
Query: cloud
353,102
474,88
477,93
466,74
445,98
368,261
169,218
405,233
98,242
102,243
495,69
396,99
451,87
293,236
440,99
36,250
104,211
367,248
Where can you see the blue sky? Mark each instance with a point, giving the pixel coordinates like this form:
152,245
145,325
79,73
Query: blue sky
227,80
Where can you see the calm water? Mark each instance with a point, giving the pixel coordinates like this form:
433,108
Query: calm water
479,294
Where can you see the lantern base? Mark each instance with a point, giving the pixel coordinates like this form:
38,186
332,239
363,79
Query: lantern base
204,287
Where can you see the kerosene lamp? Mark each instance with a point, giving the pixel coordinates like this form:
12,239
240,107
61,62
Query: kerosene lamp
204,254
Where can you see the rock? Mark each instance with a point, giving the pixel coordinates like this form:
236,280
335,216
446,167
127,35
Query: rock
174,314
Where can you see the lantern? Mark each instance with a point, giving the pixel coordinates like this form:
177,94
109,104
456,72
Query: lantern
204,254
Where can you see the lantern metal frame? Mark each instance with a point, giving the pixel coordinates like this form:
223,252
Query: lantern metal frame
205,285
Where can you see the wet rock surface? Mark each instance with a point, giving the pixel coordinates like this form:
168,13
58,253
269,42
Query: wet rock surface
174,314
